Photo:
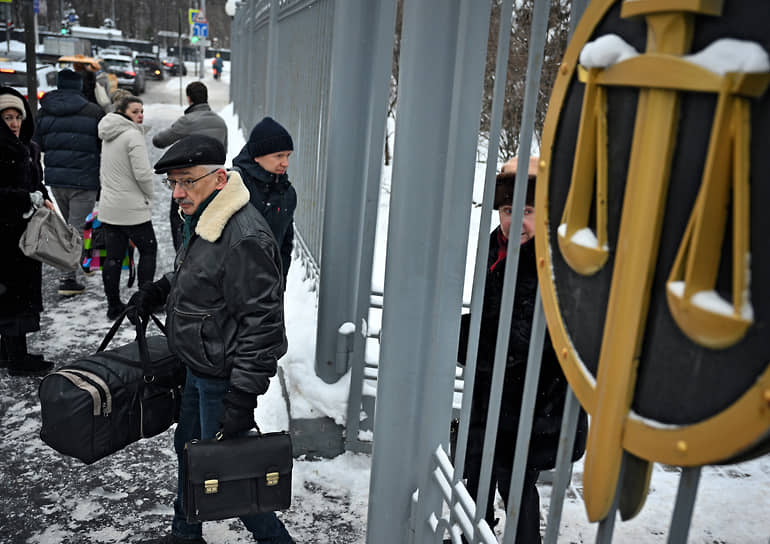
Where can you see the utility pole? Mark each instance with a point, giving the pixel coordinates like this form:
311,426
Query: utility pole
202,46
29,45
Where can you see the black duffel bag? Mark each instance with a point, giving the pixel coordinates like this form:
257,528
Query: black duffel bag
99,404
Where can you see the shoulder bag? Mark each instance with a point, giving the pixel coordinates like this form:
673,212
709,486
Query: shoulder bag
49,239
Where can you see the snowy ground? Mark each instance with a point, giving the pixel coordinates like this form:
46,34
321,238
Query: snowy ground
46,498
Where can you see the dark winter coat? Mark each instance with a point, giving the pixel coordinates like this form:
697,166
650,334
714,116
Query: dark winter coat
197,119
552,385
22,174
67,133
275,198
225,308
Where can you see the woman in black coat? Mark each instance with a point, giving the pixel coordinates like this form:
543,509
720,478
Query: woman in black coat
552,385
21,190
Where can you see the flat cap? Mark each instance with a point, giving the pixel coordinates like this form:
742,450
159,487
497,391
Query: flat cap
192,151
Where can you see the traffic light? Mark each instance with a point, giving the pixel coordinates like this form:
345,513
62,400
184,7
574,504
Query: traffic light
194,40
63,30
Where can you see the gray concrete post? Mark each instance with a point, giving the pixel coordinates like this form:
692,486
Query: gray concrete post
362,49
443,47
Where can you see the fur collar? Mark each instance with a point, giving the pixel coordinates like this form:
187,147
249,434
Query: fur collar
233,196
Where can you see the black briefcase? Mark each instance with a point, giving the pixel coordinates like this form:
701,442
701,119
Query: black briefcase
237,477
100,403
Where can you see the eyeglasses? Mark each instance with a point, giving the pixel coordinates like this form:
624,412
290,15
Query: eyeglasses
187,183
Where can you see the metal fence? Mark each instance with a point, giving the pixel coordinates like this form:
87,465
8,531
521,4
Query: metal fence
281,57
323,69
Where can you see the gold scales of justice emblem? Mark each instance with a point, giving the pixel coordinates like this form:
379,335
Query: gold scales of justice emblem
652,237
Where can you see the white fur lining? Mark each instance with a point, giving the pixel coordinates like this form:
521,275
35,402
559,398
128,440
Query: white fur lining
231,198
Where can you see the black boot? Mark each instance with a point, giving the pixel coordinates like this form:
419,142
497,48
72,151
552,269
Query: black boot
22,363
5,358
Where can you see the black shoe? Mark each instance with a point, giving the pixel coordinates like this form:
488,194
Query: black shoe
69,288
114,310
31,365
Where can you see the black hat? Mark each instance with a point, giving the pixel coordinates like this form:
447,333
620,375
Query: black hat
192,151
68,79
267,137
504,184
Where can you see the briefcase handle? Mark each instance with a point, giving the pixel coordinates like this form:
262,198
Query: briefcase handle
141,328
219,436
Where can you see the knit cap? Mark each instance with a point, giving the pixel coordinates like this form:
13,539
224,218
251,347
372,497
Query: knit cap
69,79
12,101
267,137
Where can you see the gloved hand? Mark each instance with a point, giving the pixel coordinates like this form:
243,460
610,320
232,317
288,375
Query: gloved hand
238,416
36,199
147,300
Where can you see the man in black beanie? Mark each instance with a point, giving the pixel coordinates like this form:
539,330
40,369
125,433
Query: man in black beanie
67,132
262,163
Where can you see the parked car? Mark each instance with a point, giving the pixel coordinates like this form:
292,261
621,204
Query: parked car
117,50
129,77
149,64
14,74
173,65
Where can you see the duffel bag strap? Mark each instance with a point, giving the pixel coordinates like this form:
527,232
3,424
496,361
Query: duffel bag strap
141,328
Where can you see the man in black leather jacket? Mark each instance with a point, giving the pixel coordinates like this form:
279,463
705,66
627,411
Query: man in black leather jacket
224,308
262,163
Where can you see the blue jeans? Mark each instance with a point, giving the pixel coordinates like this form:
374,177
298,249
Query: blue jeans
199,418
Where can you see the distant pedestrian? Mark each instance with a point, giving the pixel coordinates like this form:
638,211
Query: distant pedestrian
263,162
21,191
125,205
67,131
218,64
197,119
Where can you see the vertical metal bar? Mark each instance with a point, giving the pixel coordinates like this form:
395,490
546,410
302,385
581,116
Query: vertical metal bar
576,11
685,502
529,396
563,466
532,85
271,73
482,247
427,237
607,525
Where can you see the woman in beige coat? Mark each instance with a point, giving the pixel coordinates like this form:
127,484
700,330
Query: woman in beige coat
125,204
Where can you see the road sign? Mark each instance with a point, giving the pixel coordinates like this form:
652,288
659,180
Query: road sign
200,30
192,14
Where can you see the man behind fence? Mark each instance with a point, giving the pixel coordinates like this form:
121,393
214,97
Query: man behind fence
224,311
552,385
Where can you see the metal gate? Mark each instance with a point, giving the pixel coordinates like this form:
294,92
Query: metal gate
333,93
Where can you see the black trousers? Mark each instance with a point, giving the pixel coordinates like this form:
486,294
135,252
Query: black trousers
116,239
528,530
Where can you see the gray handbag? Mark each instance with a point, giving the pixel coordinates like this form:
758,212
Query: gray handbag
49,239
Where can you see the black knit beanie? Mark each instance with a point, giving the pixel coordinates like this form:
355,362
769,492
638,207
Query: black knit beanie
67,79
268,137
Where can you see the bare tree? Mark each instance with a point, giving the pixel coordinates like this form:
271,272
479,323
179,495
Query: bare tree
556,43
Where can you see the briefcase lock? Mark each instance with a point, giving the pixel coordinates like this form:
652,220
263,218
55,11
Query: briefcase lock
211,486
272,478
